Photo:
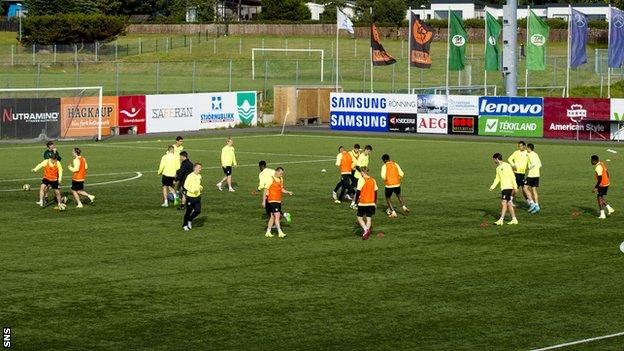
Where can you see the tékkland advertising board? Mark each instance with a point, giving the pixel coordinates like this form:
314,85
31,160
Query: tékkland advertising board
371,112
511,116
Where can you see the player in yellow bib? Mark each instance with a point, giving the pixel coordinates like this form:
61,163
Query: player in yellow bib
507,180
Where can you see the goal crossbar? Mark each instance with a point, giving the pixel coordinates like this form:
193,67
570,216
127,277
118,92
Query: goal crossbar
99,90
253,57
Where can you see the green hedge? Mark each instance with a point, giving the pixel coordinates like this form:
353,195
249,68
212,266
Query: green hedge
71,28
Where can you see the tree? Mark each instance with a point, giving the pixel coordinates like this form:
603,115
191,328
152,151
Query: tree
329,14
288,10
384,11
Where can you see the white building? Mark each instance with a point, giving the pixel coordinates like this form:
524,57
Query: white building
317,9
476,9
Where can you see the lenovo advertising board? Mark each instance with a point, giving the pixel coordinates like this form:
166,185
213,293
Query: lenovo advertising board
511,116
432,114
572,118
372,112
132,112
30,118
617,119
80,116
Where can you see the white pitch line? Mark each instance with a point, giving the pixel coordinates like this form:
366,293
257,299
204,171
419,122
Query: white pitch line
152,171
137,176
580,342
204,150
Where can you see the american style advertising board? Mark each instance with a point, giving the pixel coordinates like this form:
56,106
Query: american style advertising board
30,118
511,116
571,118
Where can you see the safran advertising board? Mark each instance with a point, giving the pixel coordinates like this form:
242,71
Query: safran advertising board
370,112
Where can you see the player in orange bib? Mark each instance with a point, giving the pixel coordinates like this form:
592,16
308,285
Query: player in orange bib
602,185
392,174
52,176
344,163
273,194
366,198
79,168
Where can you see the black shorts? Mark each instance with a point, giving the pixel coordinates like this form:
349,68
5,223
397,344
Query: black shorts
54,184
366,211
167,181
77,186
533,182
227,170
602,191
273,207
506,194
519,180
390,191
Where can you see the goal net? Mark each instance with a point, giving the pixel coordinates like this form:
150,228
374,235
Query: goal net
56,113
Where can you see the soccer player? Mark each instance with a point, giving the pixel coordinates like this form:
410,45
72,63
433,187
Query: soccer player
344,163
169,165
186,168
51,150
602,186
273,193
192,184
362,161
228,160
532,180
519,161
355,155
178,147
52,177
79,168
505,176
392,174
366,197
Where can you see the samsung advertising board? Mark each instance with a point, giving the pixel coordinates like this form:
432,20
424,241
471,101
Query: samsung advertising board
511,116
370,112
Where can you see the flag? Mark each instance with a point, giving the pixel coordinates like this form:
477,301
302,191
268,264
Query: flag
537,37
380,56
343,22
421,35
457,43
616,38
578,38
492,51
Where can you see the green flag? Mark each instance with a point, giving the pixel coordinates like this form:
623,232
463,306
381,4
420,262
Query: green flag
537,38
457,43
492,51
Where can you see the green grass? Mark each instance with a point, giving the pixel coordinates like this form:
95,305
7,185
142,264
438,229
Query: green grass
121,274
160,70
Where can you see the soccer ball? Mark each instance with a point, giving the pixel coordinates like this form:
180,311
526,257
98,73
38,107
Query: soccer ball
25,187
388,211
170,197
288,217
64,199
62,207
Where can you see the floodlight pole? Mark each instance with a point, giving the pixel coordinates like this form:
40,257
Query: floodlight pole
510,43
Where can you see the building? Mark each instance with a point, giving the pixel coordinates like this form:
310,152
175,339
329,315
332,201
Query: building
438,9
15,8
317,9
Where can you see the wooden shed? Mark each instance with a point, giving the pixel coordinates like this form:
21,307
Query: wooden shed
302,104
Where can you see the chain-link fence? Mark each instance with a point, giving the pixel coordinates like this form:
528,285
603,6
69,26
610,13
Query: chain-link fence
200,63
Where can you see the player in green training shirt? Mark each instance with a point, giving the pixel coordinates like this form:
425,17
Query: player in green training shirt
507,180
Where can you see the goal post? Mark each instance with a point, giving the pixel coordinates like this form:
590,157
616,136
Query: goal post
52,113
253,57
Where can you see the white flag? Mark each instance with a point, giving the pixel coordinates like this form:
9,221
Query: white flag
344,22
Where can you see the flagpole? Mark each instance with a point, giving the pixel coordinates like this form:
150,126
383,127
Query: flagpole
609,44
448,49
569,40
409,53
371,51
485,53
526,62
337,31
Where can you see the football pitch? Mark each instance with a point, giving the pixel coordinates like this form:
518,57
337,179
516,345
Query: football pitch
122,274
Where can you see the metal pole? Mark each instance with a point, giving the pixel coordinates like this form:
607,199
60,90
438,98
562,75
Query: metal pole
54,48
297,72
194,74
116,50
309,48
448,48
140,47
12,55
409,54
96,51
240,46
33,54
214,45
355,47
77,73
190,45
157,77
266,73
230,77
393,76
38,76
117,78
569,39
402,49
511,76
75,53
100,114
